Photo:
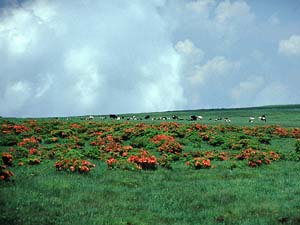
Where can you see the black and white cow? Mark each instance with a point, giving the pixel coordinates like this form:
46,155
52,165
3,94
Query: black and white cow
263,118
113,116
251,119
194,117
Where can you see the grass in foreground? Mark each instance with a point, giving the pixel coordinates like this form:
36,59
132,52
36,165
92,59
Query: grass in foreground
266,195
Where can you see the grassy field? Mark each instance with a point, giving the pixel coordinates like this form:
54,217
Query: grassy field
252,176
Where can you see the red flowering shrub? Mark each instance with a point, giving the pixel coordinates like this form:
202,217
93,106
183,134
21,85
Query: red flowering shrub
167,144
296,133
73,165
111,163
29,143
7,158
17,129
144,160
199,163
257,158
5,174
161,138
34,161
282,132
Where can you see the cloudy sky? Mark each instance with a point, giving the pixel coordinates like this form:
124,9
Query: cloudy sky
79,57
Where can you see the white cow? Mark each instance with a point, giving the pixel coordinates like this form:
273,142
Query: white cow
251,119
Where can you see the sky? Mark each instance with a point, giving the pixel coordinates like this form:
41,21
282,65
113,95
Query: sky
81,57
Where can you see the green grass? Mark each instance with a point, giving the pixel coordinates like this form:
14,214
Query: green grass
230,193
217,196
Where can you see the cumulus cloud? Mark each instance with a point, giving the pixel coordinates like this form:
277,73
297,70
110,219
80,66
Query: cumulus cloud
84,57
99,57
247,90
200,77
217,68
291,46
202,7
256,90
232,17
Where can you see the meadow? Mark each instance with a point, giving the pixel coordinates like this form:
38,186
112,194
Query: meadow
77,171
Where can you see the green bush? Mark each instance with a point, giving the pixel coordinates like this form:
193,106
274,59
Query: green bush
216,140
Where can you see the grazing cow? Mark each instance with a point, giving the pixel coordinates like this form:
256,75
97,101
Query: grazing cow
219,118
147,117
194,117
175,117
251,119
113,116
227,120
263,118
90,118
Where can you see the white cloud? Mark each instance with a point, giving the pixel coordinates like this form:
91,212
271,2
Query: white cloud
256,90
80,59
15,95
17,32
202,7
246,90
291,46
230,20
274,93
189,52
218,67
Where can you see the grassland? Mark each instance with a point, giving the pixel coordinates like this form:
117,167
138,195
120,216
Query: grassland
228,191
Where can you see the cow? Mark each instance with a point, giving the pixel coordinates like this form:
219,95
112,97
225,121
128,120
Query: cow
90,118
251,119
263,118
147,117
175,117
227,120
194,117
113,116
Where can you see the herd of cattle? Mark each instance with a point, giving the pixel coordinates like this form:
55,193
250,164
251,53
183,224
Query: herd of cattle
174,117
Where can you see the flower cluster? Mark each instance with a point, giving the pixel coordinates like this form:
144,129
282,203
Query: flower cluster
5,174
111,163
29,143
280,131
295,133
167,144
161,138
7,158
73,165
144,160
34,161
7,128
199,163
257,158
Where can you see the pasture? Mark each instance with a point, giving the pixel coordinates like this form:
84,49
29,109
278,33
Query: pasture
132,172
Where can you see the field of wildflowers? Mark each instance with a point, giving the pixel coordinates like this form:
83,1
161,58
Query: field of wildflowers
85,150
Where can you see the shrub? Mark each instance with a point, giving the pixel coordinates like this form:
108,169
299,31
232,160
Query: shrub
297,145
74,165
5,174
7,158
199,163
216,140
144,160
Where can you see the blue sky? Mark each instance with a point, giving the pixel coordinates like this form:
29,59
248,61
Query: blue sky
77,57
